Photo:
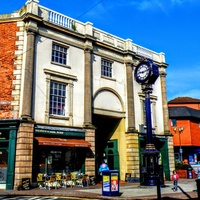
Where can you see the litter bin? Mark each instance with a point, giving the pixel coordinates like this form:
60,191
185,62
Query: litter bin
198,187
189,173
110,183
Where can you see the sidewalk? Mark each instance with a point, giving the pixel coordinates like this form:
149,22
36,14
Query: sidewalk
129,191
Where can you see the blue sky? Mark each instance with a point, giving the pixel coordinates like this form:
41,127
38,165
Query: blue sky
169,26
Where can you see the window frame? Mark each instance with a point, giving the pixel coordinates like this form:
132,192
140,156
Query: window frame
57,98
68,80
59,52
105,72
173,122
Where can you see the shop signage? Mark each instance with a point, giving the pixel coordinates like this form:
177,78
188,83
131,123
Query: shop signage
59,131
127,177
92,180
106,183
114,182
48,131
26,183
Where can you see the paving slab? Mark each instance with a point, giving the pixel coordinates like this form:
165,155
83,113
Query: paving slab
187,190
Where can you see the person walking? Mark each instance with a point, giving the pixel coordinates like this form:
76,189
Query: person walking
103,167
175,178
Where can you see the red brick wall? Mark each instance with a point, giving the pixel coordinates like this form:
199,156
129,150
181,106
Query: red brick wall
195,136
189,136
7,49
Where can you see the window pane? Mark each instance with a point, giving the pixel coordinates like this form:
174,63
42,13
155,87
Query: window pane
57,98
106,68
59,54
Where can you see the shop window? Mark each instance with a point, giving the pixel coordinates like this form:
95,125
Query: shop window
173,122
62,160
4,135
3,165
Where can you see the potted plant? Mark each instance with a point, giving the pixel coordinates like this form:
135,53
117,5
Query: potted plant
182,169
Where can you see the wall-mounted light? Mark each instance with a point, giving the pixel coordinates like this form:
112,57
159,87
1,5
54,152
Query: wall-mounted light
174,129
180,129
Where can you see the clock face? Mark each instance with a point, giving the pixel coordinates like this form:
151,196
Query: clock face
142,72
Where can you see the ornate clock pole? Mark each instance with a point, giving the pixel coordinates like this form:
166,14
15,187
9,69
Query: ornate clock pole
146,74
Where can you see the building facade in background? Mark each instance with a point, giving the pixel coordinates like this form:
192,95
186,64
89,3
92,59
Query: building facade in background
68,99
184,114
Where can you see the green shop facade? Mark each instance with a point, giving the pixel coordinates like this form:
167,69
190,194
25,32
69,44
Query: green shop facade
8,133
27,149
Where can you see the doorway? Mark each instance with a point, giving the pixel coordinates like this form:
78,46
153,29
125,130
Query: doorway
112,154
106,148
7,156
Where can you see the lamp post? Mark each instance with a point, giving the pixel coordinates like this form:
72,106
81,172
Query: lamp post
180,130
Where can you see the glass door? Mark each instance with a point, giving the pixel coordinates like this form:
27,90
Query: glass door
4,142
3,165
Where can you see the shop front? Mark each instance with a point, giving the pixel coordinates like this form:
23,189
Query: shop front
59,150
8,132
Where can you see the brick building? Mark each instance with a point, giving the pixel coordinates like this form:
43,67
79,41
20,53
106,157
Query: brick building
69,99
184,115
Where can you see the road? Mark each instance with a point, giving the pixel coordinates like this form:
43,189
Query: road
41,198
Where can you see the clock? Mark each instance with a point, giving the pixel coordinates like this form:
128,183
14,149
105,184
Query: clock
142,72
146,72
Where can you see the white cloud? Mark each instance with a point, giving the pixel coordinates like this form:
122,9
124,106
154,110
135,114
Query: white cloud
164,5
147,5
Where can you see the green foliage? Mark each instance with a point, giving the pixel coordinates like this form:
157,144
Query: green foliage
74,26
181,165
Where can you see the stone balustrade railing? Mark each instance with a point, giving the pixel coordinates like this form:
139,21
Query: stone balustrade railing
101,36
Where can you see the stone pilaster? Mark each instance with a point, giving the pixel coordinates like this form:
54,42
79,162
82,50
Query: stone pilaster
130,97
164,100
171,155
132,152
24,153
28,77
88,89
90,157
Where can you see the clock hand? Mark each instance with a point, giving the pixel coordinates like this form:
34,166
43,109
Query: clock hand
141,72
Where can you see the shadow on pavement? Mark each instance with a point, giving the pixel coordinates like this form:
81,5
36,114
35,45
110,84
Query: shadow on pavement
176,198
187,195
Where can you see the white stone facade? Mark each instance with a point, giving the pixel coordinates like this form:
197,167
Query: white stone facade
90,97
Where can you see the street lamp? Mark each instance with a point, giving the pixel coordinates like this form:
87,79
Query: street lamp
180,130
